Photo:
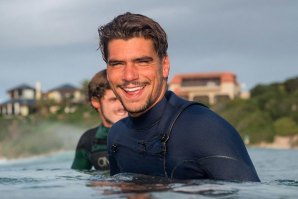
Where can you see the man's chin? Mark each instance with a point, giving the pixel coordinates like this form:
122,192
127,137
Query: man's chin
136,110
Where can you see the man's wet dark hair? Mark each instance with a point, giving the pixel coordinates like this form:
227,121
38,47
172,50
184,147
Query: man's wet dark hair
98,85
129,25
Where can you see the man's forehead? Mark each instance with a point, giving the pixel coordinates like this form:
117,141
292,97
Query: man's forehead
135,42
109,94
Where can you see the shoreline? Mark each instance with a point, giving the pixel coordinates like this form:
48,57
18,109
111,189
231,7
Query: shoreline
280,142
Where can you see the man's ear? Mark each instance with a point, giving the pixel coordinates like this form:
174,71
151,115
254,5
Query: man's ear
165,66
95,103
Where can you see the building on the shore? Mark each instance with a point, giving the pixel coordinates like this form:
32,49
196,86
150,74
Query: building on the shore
65,92
209,88
22,101
66,96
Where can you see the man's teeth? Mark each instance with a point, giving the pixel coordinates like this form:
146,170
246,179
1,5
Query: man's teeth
132,89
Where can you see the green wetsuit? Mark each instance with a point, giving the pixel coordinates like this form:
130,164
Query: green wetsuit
91,150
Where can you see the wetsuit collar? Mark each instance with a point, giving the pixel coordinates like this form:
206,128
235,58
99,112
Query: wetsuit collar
102,132
149,118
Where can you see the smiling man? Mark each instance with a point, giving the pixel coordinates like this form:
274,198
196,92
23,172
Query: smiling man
91,150
164,135
138,77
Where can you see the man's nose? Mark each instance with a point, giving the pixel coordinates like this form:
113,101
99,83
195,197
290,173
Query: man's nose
130,72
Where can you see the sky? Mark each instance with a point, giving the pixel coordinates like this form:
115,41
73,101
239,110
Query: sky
56,41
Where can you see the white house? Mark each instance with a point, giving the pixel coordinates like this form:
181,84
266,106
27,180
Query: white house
22,101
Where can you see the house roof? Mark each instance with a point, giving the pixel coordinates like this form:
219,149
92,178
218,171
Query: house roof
224,77
64,87
21,87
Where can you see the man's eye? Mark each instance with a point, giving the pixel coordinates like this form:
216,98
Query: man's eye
143,62
115,63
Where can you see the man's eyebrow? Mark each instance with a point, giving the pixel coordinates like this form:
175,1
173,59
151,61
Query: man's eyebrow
114,61
145,58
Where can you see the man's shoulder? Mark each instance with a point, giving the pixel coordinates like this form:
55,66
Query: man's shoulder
90,131
177,101
88,134
198,116
185,106
191,111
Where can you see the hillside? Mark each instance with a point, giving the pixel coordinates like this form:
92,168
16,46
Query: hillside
272,111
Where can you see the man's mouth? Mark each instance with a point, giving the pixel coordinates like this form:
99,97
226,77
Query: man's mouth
133,90
121,112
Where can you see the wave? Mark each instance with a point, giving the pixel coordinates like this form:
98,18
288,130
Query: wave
53,156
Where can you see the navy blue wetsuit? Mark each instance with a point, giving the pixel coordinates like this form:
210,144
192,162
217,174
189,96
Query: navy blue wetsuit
181,140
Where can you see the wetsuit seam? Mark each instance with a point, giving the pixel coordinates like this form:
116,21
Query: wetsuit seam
169,132
180,163
217,156
197,161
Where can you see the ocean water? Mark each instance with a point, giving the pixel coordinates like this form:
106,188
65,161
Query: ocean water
50,177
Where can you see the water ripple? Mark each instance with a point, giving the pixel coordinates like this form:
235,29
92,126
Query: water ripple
207,190
288,182
10,181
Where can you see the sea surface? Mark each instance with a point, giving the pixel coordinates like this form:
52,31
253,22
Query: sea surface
50,177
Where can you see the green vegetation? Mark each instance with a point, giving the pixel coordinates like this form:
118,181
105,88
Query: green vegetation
271,111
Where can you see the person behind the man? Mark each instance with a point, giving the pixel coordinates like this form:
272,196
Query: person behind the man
164,135
92,146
